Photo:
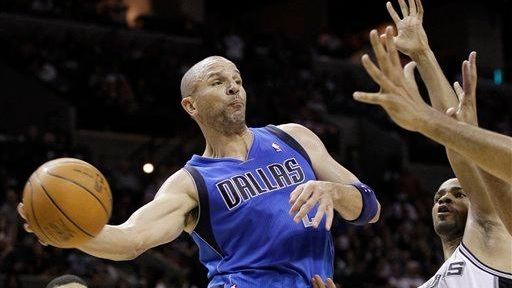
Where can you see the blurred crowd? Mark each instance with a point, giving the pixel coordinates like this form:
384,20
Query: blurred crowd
126,82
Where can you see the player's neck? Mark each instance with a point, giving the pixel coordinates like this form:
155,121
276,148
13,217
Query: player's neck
449,246
219,145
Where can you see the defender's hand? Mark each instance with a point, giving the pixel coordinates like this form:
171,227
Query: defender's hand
466,110
307,195
398,94
26,226
411,38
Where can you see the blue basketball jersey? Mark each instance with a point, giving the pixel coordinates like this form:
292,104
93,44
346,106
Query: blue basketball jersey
245,235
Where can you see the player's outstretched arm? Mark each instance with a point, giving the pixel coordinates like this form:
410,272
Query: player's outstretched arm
412,40
159,221
402,102
336,188
489,195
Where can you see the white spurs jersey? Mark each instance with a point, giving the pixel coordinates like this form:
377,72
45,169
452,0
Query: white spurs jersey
464,270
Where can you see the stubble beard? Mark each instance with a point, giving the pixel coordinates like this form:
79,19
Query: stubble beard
450,229
226,123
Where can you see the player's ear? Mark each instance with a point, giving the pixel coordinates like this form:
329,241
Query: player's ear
188,104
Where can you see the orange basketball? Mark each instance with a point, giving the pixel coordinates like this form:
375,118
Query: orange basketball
67,201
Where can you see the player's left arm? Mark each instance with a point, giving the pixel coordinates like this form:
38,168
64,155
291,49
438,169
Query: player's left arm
336,187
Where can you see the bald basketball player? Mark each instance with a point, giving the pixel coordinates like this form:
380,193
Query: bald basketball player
235,199
67,281
481,255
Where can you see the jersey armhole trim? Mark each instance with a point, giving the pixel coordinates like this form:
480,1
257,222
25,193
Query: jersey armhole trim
472,258
290,141
203,227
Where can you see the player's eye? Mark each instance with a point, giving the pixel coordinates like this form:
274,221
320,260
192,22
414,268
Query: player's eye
238,82
459,195
216,82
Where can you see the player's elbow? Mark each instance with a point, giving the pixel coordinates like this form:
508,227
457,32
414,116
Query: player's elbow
377,214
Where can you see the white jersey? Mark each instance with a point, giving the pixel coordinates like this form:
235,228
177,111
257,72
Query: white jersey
464,270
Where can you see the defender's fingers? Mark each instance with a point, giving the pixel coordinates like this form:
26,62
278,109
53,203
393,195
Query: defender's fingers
412,86
403,8
392,13
412,7
458,90
466,77
380,52
377,75
450,112
419,7
391,48
369,98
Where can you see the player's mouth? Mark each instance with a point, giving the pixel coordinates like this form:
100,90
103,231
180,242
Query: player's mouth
236,104
444,210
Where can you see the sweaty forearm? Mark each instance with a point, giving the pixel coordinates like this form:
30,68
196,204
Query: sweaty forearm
469,176
114,243
489,150
439,89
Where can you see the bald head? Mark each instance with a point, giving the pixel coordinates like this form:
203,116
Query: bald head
197,73
446,185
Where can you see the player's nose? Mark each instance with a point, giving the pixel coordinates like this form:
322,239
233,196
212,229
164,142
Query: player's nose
233,88
445,199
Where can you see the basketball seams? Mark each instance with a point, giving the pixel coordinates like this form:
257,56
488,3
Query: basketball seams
34,212
60,210
83,187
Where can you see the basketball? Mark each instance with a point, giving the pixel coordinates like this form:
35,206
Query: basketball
67,201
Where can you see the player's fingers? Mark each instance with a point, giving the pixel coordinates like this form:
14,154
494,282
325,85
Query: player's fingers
403,8
391,48
296,192
318,281
320,212
412,7
301,199
315,283
466,77
392,13
330,216
410,81
306,207
419,7
330,283
377,75
472,64
458,90
369,98
27,228
21,211
380,52
451,111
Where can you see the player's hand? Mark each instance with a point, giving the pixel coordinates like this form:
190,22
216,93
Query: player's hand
308,195
399,94
317,282
26,226
411,38
466,110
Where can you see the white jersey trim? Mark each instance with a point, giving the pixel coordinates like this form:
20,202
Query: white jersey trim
468,255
